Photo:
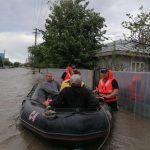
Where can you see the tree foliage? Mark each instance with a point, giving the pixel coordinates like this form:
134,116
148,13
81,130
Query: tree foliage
1,62
16,64
73,33
7,63
139,28
39,56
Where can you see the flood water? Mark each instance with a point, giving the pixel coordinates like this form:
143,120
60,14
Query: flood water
130,132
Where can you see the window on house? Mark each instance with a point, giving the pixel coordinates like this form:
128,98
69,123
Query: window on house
138,66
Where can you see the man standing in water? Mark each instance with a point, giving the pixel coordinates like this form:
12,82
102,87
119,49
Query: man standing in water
47,89
108,88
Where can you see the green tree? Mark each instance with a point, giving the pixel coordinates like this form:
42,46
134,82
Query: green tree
139,28
73,33
7,63
38,55
1,62
16,64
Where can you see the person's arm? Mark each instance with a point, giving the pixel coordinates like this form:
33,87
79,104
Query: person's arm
95,90
92,102
114,93
58,102
49,89
63,77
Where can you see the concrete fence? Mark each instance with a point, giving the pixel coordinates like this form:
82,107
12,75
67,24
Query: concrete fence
134,92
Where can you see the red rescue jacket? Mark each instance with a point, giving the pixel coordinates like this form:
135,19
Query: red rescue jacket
106,88
68,73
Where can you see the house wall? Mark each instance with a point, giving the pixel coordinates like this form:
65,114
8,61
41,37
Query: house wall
119,63
134,64
125,63
141,64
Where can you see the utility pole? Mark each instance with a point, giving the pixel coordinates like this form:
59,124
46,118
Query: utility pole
4,53
36,31
35,43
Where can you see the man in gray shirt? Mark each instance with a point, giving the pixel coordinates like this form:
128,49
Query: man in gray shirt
48,88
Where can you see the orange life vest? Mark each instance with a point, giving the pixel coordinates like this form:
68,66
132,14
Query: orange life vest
68,73
106,88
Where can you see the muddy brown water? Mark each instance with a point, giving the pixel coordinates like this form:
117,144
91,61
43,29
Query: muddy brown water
130,132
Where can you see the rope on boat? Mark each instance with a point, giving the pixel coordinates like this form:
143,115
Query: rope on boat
99,148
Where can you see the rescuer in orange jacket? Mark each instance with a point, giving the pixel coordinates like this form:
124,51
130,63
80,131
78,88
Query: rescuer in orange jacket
68,73
108,88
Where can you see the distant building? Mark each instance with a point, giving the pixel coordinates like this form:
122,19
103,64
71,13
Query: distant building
124,57
2,55
6,59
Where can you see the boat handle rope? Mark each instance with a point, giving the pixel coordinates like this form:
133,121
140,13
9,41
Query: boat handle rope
109,128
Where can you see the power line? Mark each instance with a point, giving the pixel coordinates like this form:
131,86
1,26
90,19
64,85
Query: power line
40,21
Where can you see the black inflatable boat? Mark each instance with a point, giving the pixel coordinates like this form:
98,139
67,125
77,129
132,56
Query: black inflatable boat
66,125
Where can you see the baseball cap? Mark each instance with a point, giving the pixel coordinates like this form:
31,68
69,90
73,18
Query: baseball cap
73,66
103,70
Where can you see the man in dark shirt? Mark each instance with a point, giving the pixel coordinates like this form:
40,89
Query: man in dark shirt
108,88
75,96
115,84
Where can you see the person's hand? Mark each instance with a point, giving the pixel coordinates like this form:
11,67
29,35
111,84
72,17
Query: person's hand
99,98
47,102
96,90
104,96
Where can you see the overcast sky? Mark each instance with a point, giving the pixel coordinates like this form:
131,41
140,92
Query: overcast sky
18,18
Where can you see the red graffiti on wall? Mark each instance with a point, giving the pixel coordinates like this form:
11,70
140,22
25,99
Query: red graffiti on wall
135,88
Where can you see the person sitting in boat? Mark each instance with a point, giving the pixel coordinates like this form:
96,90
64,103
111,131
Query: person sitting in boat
46,90
68,73
75,96
66,83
